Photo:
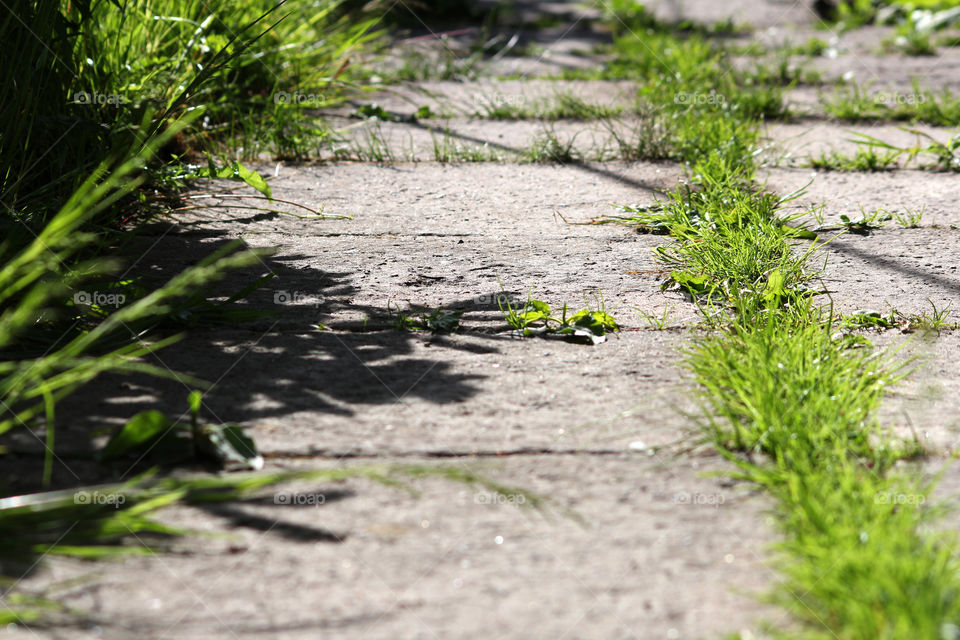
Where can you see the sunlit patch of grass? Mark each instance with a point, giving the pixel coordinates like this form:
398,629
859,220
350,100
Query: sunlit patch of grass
857,103
790,396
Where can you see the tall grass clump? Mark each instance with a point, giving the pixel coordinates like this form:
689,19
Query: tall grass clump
788,397
103,96
102,102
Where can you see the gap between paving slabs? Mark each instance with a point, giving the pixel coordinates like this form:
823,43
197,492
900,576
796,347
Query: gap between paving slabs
847,533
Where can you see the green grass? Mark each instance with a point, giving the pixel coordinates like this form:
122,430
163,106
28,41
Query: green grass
447,149
780,383
865,158
874,154
856,103
549,147
561,106
911,218
106,109
789,396
95,120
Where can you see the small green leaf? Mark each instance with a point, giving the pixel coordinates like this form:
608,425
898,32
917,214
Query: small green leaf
598,322
253,179
230,446
195,399
774,289
694,284
798,232
142,429
538,305
373,111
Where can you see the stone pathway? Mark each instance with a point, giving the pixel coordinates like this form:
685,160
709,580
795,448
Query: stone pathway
641,539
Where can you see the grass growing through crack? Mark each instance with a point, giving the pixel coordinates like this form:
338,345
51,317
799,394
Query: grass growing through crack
448,149
778,381
548,147
911,218
865,158
438,320
856,103
874,154
790,399
561,106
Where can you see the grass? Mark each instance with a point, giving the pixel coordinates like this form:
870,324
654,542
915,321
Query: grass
438,320
865,158
370,146
934,320
856,103
656,322
911,218
447,149
788,397
561,106
107,110
873,154
548,147
90,124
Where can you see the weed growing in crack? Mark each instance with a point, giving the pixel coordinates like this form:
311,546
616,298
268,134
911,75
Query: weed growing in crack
561,106
447,149
788,398
911,218
856,103
655,322
438,320
867,222
934,320
866,158
535,318
548,147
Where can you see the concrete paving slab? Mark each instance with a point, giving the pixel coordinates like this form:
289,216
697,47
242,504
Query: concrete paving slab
466,99
797,143
845,192
660,551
